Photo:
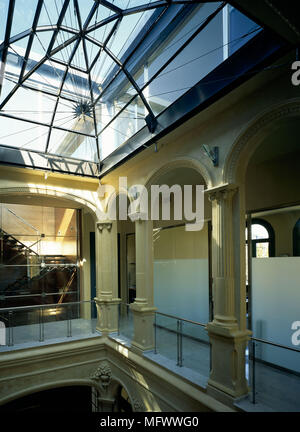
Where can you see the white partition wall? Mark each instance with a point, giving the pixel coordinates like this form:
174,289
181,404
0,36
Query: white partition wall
181,273
276,305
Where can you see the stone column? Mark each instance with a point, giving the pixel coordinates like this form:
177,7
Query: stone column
107,300
228,337
106,404
143,308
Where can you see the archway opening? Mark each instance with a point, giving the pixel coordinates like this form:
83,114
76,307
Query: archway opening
45,270
122,402
62,399
273,207
182,267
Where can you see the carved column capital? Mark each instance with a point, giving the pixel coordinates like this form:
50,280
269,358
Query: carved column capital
101,225
138,216
221,193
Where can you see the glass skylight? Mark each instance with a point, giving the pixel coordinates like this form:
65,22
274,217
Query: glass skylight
79,78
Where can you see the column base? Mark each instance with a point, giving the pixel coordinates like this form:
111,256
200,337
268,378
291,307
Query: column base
143,320
227,376
107,312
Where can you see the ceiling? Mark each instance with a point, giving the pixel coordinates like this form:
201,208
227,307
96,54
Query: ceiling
81,79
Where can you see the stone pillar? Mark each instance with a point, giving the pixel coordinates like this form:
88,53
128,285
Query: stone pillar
143,308
106,404
107,300
228,337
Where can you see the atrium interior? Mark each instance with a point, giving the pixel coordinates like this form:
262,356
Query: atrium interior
106,304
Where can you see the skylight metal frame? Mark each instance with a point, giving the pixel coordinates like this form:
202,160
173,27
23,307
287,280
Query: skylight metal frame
85,30
84,35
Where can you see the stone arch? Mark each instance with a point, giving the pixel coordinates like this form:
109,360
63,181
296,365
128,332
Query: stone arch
250,139
114,386
48,386
179,163
50,193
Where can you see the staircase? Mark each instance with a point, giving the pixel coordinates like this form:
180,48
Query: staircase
16,245
17,280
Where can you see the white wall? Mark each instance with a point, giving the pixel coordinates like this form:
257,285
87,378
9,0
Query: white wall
276,305
181,276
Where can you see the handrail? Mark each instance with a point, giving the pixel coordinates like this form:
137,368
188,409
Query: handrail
172,316
39,265
53,305
27,247
181,319
34,295
21,243
21,219
275,344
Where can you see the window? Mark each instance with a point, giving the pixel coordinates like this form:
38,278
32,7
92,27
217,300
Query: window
263,239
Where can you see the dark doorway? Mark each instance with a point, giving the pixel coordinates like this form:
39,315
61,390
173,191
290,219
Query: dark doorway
63,399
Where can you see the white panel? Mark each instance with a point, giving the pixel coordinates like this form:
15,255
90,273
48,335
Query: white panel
181,288
276,305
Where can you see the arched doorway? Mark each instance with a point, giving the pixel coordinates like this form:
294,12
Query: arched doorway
272,201
46,253
182,268
122,402
62,399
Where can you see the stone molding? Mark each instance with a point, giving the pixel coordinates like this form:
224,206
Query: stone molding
286,110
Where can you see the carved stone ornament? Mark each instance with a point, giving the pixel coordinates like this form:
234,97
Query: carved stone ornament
102,374
138,406
102,225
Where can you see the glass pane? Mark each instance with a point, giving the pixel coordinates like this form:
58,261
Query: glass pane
40,109
196,348
104,70
240,26
126,4
46,77
128,30
101,34
125,321
279,366
85,8
83,323
193,63
14,62
259,232
70,18
26,326
79,59
49,13
3,18
262,250
73,145
55,321
166,337
8,85
23,15
20,134
76,86
64,54
126,124
59,246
